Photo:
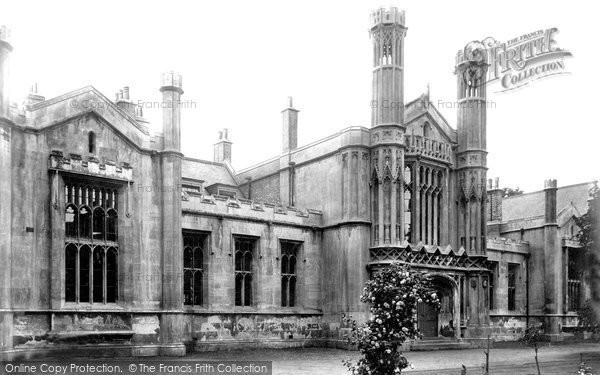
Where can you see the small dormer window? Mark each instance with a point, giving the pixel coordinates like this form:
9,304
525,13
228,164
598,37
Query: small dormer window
91,142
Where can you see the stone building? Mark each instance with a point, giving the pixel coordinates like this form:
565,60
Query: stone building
110,236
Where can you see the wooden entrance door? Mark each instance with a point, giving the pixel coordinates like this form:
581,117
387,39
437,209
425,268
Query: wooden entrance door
427,320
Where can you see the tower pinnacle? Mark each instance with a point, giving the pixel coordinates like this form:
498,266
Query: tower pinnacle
387,33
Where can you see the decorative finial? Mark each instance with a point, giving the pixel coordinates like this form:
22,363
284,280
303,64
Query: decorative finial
290,104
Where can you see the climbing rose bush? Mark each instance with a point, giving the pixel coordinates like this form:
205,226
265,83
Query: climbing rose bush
393,294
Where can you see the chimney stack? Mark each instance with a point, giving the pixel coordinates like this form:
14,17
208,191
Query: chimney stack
125,103
171,92
494,207
222,149
33,97
290,127
5,50
550,188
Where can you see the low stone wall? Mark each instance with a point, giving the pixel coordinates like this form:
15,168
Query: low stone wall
137,334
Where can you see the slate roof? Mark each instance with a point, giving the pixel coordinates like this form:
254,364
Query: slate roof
208,171
531,205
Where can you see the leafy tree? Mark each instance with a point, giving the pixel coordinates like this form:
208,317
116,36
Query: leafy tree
509,192
589,239
587,318
393,295
533,337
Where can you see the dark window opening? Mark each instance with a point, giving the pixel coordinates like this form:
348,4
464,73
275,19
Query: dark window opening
492,283
193,268
289,256
244,253
84,274
111,275
98,274
91,254
574,267
512,286
71,273
91,142
426,130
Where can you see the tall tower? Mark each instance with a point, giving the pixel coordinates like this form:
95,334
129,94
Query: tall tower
387,32
6,327
471,69
387,121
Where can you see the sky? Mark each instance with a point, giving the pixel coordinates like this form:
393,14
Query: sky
240,60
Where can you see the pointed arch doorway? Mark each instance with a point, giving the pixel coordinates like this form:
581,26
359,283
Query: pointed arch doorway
432,322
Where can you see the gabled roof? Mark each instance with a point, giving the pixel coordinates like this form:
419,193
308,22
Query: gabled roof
530,205
87,100
422,106
210,172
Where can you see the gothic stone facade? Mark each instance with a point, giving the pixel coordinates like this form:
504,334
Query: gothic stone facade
110,235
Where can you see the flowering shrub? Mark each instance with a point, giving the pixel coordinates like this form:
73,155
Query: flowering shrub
393,294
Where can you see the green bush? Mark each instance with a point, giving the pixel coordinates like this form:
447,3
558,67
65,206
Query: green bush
393,294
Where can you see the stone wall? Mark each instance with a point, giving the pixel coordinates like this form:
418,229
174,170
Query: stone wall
265,189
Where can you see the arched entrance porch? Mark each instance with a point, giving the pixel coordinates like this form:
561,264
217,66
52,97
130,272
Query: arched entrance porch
445,321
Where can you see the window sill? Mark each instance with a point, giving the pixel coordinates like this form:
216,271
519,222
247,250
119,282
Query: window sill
252,310
195,308
78,307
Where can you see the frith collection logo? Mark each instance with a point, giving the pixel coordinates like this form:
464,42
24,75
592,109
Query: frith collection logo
520,61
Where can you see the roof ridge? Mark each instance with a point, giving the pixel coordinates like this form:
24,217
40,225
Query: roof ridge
541,191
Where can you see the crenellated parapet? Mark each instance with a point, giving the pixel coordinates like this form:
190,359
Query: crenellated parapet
221,206
385,16
91,166
422,146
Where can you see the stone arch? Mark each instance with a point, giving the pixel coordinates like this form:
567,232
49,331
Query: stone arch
448,319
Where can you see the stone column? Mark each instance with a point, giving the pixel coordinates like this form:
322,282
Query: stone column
435,218
416,208
445,229
394,207
456,316
171,323
401,209
424,215
430,216
380,207
554,264
6,318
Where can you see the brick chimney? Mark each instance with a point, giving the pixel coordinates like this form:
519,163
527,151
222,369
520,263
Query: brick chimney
222,149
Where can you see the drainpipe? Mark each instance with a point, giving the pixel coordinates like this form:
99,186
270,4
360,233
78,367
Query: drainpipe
527,292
